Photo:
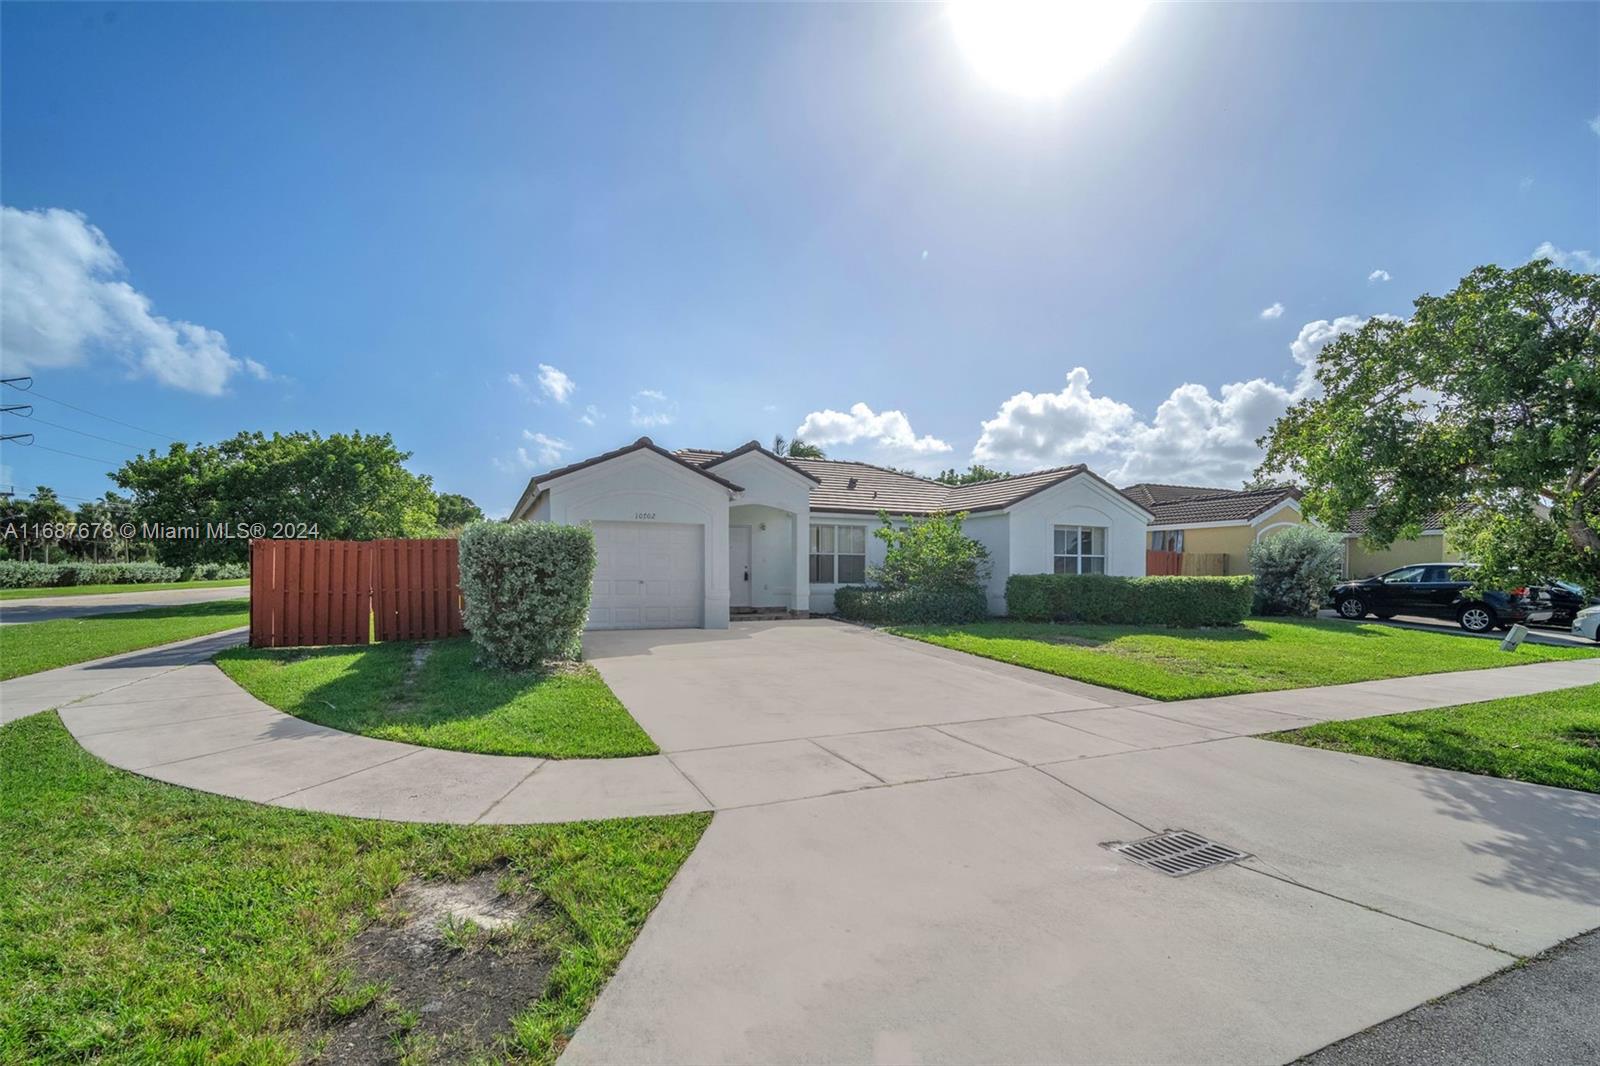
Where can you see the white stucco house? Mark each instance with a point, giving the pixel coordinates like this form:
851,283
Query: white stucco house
688,538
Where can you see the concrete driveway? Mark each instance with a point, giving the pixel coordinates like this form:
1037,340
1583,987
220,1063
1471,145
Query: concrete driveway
756,682
50,608
979,918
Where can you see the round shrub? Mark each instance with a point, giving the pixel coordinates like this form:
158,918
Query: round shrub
1295,569
525,587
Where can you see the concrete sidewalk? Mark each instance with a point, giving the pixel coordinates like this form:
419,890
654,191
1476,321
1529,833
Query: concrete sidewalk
169,714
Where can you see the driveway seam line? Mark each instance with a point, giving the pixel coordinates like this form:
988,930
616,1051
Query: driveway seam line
829,751
341,777
502,798
692,782
1092,799
1375,910
975,744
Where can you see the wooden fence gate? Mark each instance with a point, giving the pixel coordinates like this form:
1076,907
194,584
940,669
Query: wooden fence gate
309,592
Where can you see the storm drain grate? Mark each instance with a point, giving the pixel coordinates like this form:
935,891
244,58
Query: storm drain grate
1178,852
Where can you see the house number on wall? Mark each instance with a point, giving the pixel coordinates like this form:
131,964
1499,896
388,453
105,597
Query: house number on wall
644,516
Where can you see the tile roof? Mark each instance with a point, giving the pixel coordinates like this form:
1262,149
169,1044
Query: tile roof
642,442
1147,492
1206,505
848,486
1356,524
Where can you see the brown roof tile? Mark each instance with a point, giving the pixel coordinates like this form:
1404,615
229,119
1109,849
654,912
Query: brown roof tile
1219,505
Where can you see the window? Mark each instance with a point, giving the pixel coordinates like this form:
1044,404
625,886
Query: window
838,555
1166,540
1080,550
1409,575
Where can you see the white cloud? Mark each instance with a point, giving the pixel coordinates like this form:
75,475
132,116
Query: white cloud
651,408
549,450
1275,311
1594,124
888,431
1196,437
1525,184
516,382
591,415
555,384
1578,259
66,302
1377,275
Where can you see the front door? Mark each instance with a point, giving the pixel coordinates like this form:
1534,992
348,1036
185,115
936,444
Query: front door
739,566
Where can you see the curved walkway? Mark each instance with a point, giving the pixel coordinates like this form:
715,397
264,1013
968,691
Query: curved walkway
169,714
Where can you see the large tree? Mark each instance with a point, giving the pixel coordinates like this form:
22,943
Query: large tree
351,486
456,510
1484,406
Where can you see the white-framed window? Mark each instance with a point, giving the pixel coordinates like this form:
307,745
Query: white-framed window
838,555
1080,550
1166,540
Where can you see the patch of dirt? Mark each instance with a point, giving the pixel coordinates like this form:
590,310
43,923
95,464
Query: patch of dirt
419,657
440,978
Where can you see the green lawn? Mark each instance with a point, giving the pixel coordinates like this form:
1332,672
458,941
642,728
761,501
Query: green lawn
450,702
102,590
1261,655
28,647
1549,739
145,923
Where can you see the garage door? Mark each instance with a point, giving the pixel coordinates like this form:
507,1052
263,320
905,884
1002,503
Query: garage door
647,575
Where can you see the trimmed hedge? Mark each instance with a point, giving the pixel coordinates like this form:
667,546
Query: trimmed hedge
526,589
16,574
863,603
1141,601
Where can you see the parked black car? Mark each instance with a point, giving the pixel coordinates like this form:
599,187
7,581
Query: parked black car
1565,601
1439,590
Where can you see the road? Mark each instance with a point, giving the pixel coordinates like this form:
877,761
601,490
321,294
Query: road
50,608
1536,634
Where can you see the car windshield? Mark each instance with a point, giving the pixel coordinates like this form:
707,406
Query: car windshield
1576,590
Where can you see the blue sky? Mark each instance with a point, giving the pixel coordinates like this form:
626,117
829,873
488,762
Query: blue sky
722,222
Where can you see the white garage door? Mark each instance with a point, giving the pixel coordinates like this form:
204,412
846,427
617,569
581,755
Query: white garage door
647,575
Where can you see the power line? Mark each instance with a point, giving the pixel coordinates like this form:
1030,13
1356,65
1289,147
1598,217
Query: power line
84,410
82,433
75,455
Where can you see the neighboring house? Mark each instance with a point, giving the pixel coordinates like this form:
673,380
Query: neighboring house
686,538
1361,560
1212,529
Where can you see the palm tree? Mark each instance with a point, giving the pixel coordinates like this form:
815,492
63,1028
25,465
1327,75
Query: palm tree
795,449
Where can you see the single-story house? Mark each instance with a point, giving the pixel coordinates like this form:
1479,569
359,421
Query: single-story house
685,538
1360,560
1211,529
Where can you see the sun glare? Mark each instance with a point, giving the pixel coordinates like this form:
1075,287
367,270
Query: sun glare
1039,48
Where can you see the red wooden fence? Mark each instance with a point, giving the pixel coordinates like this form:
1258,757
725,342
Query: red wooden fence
1162,563
305,592
416,589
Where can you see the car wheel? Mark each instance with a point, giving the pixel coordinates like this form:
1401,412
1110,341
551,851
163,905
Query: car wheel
1351,607
1476,618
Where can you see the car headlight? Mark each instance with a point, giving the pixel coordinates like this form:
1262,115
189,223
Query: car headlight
1587,612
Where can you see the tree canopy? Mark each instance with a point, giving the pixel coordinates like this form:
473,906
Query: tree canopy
456,510
1484,407
351,486
974,473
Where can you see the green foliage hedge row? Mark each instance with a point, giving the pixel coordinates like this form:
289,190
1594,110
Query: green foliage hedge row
1148,601
526,586
862,603
16,574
